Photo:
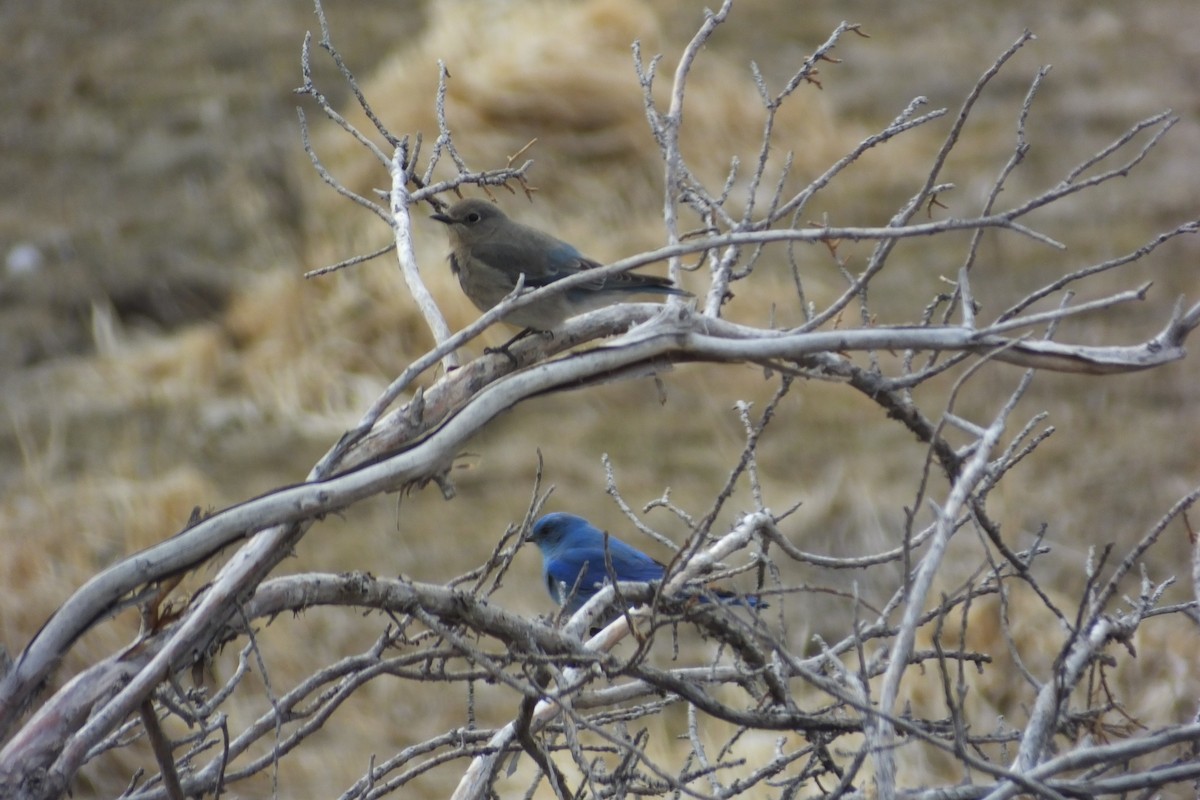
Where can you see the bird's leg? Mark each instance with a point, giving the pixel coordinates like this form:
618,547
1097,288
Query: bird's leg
504,348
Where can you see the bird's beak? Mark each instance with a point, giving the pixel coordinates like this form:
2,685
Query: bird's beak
442,218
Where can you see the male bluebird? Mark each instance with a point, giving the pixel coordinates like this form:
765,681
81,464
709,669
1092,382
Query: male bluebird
574,566
489,252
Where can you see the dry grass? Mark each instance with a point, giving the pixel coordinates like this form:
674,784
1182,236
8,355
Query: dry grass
111,451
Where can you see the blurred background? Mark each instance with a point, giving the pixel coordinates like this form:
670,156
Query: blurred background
160,349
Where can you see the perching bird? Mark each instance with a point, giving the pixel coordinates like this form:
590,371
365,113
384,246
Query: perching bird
488,251
572,546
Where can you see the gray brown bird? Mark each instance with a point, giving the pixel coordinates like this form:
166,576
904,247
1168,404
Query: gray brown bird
489,251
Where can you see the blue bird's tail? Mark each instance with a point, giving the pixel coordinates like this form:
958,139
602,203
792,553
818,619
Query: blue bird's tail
732,599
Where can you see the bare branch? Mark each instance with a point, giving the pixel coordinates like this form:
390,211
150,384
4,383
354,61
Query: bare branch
923,615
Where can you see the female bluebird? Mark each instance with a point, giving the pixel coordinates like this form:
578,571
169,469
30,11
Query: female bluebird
488,252
574,566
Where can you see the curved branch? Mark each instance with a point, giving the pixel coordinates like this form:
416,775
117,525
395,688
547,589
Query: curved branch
429,445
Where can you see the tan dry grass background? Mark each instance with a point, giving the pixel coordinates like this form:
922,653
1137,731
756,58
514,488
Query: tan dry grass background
107,451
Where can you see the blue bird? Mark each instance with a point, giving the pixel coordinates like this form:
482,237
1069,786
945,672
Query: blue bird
574,567
489,251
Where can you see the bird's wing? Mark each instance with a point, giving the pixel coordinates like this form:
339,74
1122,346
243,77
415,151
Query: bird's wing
561,260
632,282
565,571
548,266
628,563
632,564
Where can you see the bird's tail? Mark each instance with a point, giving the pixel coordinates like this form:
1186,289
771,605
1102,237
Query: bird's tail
733,599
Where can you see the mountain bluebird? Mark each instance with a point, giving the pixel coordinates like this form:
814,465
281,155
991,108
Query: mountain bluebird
489,251
574,567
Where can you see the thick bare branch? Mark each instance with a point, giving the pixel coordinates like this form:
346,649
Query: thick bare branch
756,712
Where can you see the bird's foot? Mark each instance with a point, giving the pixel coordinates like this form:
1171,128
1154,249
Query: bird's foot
505,349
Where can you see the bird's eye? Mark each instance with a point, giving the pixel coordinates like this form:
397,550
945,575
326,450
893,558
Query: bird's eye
472,217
